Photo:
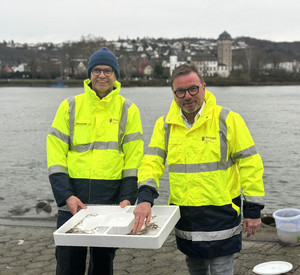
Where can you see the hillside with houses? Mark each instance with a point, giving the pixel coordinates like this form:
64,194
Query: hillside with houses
224,60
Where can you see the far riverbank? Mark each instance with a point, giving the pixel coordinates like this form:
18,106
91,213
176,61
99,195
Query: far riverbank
136,83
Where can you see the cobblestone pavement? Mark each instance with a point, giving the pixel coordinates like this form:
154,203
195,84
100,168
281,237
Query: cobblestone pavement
30,250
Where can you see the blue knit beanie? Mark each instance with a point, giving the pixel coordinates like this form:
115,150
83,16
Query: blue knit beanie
103,57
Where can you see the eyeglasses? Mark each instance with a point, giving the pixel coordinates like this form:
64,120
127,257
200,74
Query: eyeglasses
97,72
180,93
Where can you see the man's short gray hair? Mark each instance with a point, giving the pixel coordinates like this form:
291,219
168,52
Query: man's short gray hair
184,69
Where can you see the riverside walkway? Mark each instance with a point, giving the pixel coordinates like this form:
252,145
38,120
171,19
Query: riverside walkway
27,247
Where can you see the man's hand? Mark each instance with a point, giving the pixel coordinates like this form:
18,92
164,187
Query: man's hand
73,203
125,203
141,212
251,226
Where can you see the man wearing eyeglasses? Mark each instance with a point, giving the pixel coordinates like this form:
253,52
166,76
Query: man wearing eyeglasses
211,155
94,149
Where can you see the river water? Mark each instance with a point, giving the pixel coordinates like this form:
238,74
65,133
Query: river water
271,113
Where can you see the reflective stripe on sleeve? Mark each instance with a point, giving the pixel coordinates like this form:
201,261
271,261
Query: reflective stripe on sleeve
203,236
57,169
251,151
129,173
132,137
148,182
156,151
63,137
255,199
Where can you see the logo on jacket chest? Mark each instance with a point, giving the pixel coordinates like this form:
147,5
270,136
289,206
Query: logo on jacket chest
208,139
113,121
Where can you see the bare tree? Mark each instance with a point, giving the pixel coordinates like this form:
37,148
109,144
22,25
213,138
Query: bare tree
128,65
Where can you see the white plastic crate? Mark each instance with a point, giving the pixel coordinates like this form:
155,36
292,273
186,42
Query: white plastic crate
110,226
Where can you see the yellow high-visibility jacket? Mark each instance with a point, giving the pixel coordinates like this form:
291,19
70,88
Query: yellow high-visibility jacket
95,147
208,165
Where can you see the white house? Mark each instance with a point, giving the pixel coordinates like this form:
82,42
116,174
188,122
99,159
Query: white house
20,68
205,67
285,66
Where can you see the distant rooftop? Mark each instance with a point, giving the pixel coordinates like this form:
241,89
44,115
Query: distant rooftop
224,36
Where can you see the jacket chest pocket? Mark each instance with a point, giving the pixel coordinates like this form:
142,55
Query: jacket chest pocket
175,150
82,132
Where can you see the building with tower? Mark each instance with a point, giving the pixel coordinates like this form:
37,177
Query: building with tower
225,49
209,62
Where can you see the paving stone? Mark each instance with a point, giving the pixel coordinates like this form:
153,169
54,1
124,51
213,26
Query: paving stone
36,255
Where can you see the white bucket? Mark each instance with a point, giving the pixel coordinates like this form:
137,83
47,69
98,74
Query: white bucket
288,225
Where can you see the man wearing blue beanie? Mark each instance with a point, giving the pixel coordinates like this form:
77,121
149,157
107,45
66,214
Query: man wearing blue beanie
94,149
103,57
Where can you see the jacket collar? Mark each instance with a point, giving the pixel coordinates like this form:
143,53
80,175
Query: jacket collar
92,96
174,114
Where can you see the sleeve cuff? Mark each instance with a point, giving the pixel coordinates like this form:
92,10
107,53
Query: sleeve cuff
147,194
252,210
128,190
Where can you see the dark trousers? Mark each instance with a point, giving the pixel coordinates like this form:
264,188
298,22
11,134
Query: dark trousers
71,260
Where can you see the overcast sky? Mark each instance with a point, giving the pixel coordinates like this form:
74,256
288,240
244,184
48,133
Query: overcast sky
33,21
